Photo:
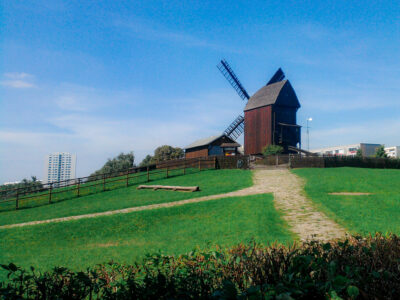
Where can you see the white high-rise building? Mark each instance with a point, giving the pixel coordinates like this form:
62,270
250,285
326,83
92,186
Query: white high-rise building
59,166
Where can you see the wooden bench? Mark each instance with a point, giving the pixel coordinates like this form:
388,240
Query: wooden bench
170,187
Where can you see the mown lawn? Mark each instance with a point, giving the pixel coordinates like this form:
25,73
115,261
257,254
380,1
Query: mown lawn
128,237
210,182
379,212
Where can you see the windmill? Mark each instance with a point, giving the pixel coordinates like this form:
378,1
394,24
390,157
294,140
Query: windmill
236,128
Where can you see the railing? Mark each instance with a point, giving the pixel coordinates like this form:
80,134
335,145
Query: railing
67,189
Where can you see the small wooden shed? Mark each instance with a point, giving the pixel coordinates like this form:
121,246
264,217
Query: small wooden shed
212,146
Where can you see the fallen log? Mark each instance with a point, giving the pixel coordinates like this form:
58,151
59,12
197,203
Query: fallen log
170,187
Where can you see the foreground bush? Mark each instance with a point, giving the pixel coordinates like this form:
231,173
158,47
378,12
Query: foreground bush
356,268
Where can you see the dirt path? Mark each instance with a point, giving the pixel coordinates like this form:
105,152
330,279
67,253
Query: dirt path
298,211
287,188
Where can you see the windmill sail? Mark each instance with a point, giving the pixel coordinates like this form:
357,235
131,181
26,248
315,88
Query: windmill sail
236,128
228,73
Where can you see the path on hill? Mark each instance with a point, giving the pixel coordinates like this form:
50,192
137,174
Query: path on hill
298,211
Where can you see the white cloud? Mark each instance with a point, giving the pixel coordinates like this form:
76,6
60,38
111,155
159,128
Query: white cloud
150,31
71,103
96,137
17,75
18,80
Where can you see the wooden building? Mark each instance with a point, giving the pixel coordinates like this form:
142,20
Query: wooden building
211,146
270,118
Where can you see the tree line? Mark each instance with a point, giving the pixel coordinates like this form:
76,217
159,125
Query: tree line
29,185
126,161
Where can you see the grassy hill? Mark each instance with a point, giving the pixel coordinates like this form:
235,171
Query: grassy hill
128,237
210,182
378,212
178,229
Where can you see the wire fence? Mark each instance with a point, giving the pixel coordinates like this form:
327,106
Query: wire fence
31,196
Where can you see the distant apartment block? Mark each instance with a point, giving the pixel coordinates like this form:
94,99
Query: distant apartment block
59,166
348,150
393,152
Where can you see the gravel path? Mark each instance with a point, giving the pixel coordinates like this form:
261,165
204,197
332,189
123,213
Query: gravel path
298,211
287,188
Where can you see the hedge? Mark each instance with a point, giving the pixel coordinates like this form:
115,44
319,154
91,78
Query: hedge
354,268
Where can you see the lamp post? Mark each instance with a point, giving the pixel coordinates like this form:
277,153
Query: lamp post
308,134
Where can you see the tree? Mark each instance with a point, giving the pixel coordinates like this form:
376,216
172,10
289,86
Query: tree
146,161
359,153
120,163
162,153
272,150
380,152
166,152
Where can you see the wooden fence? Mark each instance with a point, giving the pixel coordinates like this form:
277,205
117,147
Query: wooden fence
301,161
29,196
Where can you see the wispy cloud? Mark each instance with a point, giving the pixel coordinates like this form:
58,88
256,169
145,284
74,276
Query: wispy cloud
144,29
17,80
71,103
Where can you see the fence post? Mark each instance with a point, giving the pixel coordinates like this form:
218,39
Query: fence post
16,199
199,164
167,172
184,167
127,178
51,188
78,187
290,161
148,175
215,162
104,182
276,160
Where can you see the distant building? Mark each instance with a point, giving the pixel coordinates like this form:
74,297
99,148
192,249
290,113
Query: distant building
11,182
59,166
393,152
211,146
348,150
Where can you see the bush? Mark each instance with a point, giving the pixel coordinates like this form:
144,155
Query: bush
380,152
362,268
272,150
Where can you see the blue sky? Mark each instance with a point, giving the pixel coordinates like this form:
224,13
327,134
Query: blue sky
97,78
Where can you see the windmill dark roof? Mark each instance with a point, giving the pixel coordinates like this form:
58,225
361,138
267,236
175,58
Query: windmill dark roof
270,93
267,95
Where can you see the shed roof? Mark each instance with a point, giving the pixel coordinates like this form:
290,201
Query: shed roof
203,142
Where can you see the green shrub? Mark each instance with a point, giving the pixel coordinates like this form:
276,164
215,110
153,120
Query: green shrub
272,150
380,152
363,268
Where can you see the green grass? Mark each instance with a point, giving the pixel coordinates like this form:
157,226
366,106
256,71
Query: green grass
34,199
128,237
379,212
210,182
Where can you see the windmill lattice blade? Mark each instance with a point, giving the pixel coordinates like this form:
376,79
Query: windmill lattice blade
278,76
228,73
236,128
